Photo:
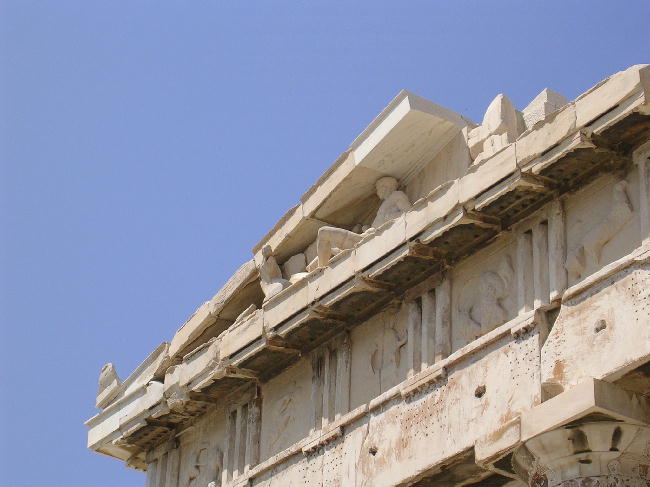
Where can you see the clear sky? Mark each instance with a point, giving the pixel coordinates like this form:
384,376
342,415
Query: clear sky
146,146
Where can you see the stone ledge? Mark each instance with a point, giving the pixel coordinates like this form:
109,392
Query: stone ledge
439,231
406,117
590,400
498,443
609,102
404,391
641,255
590,397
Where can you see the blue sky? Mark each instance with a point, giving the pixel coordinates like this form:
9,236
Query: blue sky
145,147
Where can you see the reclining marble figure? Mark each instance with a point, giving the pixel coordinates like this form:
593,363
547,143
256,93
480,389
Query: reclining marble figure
394,203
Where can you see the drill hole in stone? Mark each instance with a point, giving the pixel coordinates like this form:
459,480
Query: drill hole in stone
600,326
479,392
373,450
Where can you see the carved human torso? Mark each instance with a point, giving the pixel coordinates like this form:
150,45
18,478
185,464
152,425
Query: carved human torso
391,208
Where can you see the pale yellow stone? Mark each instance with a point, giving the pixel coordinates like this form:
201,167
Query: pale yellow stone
489,359
609,92
487,174
556,127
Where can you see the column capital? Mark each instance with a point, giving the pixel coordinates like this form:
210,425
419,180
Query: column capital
587,454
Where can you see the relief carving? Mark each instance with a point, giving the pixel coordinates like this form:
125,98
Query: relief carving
388,349
589,253
482,298
375,359
200,463
207,467
284,416
400,342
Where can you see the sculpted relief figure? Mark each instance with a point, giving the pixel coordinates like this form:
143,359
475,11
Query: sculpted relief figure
285,413
482,298
197,467
394,203
595,239
207,466
271,279
400,341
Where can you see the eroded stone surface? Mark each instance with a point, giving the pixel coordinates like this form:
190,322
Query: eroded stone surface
478,317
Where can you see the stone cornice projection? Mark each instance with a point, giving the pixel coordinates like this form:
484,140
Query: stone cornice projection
287,300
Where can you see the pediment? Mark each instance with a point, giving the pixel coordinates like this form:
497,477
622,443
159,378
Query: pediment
442,284
399,142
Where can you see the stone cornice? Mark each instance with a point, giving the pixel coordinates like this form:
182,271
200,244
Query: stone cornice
594,134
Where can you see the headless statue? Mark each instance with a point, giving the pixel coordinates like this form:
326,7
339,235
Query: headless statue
394,203
271,279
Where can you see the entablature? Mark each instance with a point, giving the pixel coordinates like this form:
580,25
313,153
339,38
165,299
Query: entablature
558,154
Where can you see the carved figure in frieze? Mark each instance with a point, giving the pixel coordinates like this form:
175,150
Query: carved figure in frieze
375,359
218,468
195,468
482,297
271,279
207,463
388,347
401,339
285,412
589,252
394,203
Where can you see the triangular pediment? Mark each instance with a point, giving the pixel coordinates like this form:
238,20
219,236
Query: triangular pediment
399,142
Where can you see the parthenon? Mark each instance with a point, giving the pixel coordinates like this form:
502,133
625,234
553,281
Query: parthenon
450,304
